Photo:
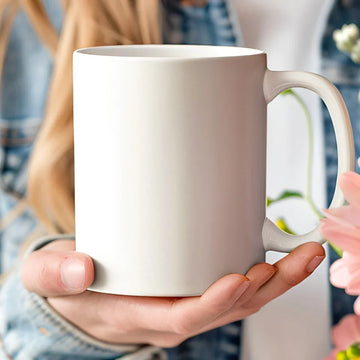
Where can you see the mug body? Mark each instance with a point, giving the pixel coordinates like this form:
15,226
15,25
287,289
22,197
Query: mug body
170,163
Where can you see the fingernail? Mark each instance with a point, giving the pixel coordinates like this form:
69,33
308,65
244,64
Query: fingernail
73,274
314,263
242,288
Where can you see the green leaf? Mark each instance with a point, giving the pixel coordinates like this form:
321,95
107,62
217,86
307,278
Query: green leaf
283,226
287,92
285,195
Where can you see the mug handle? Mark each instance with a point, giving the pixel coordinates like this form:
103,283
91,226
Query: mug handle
274,83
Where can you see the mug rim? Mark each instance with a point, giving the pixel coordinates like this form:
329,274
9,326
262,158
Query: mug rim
168,52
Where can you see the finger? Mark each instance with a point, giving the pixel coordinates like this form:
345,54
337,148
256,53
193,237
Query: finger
185,315
258,275
292,269
179,315
191,314
56,273
251,301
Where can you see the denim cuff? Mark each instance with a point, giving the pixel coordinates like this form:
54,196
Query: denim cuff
31,329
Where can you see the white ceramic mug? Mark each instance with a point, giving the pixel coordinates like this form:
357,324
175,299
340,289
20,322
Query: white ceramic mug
170,163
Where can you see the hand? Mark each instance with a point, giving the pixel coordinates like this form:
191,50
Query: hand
62,275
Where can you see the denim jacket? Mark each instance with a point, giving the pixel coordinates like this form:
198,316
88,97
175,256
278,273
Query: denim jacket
29,327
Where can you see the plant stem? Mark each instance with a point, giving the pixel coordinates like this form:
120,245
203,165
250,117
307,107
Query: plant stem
308,197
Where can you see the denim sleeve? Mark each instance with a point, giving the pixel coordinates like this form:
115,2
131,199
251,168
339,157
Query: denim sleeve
215,23
31,329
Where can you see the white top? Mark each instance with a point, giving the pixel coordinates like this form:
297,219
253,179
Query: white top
296,326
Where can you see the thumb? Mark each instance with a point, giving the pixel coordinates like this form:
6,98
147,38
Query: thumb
56,273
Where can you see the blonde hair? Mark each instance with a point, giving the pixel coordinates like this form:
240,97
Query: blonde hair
86,23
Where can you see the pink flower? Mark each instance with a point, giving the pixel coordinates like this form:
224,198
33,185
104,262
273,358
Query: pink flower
345,333
342,228
345,273
350,185
342,225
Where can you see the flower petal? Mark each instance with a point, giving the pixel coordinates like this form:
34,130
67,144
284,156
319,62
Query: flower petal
350,186
345,238
352,261
339,274
346,215
353,286
346,332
